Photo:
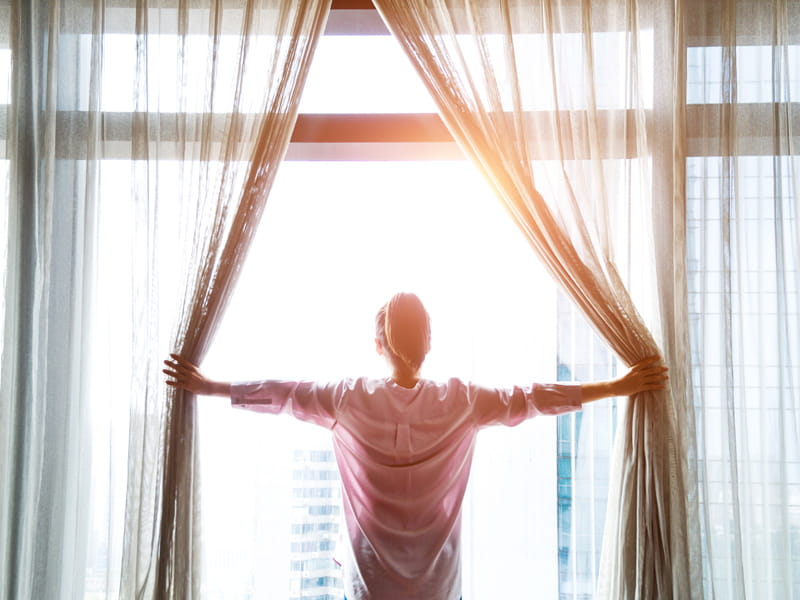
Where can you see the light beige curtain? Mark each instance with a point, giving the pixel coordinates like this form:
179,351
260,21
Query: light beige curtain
143,138
741,141
49,227
555,95
228,148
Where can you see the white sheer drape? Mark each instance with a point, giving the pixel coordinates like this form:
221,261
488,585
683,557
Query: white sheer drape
44,450
707,149
742,137
564,81
275,47
144,143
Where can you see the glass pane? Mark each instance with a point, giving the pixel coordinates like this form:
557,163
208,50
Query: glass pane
585,442
763,74
368,74
363,74
371,74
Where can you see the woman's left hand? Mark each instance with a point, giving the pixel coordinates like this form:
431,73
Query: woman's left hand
185,375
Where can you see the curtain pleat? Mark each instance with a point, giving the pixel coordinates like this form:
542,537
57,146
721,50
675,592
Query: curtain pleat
51,223
225,180
143,139
742,200
482,70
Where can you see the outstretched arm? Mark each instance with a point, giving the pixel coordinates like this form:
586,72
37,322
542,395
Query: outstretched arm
644,376
305,400
186,376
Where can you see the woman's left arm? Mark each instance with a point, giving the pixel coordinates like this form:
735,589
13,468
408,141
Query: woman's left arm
186,376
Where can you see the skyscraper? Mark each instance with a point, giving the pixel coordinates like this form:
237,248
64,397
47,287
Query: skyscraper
584,446
315,526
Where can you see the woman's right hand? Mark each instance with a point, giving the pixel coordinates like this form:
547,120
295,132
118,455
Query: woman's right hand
647,375
186,376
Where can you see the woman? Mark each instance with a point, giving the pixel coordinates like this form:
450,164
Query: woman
404,447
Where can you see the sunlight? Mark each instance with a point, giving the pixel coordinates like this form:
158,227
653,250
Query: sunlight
352,234
336,241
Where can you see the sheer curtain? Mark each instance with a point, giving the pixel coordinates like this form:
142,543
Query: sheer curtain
51,215
741,142
554,95
143,139
275,47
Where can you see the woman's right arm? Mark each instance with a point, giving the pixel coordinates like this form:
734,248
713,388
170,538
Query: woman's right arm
305,400
186,376
647,375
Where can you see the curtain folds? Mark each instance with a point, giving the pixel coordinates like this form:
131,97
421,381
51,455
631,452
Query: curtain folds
743,248
520,86
51,226
254,78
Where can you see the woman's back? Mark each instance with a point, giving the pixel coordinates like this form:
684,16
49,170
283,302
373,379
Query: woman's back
404,456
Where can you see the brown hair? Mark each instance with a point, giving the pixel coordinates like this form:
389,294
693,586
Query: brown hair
404,329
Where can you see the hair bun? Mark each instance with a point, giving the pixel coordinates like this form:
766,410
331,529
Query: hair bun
407,329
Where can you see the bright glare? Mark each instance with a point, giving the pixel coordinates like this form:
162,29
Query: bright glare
343,78
336,240
367,74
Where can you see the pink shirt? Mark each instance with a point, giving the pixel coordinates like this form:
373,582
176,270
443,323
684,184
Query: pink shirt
404,457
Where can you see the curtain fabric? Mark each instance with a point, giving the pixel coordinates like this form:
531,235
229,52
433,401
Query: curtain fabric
741,143
262,68
518,83
154,131
50,223
293,30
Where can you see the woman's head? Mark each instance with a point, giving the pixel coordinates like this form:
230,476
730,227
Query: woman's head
403,330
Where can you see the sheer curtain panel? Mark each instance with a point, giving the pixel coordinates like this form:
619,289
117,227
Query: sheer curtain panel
51,224
143,141
275,47
555,95
741,141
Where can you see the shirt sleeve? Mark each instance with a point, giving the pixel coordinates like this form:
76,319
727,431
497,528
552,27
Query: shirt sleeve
305,400
512,406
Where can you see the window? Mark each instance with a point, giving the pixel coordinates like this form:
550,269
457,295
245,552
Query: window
360,210
347,224
375,197
324,261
